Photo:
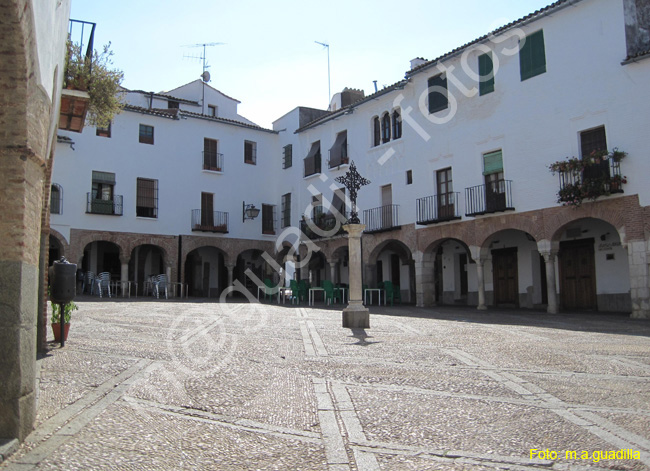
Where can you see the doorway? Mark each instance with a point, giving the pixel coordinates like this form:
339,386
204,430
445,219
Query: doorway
505,277
577,274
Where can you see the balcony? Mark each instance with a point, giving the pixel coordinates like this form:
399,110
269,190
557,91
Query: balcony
212,161
210,221
437,208
324,226
104,206
384,218
312,165
493,197
591,182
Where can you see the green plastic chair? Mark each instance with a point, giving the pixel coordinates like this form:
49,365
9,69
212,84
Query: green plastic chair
303,289
329,291
269,289
295,291
392,292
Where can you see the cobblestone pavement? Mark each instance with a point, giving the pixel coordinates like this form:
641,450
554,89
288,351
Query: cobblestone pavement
199,385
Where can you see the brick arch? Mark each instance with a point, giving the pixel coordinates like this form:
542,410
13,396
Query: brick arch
374,253
531,224
613,214
79,242
429,250
333,246
65,247
168,246
191,244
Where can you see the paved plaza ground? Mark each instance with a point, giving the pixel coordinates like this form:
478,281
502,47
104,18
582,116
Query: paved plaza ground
198,385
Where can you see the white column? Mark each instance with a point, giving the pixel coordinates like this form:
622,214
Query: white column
231,269
333,271
124,274
481,284
551,289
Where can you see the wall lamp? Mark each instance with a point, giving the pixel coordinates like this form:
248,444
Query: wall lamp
249,211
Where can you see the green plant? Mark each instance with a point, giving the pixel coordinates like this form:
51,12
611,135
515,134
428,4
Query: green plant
95,75
67,312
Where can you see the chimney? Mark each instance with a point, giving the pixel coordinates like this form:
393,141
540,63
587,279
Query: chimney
351,95
417,62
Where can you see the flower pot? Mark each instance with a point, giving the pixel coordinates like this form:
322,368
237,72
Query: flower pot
56,330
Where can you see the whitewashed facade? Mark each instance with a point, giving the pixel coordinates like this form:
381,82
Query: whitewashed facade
470,212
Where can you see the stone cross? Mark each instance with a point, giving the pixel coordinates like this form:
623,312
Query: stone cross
353,182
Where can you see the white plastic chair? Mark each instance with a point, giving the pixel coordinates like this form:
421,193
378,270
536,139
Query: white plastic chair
89,282
161,285
104,283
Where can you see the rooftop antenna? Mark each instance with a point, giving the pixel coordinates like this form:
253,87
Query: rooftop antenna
329,90
205,76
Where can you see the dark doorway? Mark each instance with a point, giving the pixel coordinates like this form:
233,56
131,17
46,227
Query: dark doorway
462,262
380,272
577,274
395,269
438,274
542,274
505,274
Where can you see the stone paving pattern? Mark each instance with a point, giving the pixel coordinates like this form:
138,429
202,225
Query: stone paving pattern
199,385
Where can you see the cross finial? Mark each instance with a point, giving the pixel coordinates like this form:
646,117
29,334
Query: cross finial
353,182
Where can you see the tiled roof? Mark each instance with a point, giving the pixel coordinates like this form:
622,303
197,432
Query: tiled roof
226,121
166,97
636,57
162,112
500,30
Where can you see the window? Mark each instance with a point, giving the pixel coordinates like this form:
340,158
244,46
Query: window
146,134
532,56
250,152
313,160
172,104
286,210
316,206
339,151
486,74
287,159
591,141
103,131
495,188
212,110
437,88
376,139
385,128
101,196
146,198
56,199
211,158
397,125
409,177
268,219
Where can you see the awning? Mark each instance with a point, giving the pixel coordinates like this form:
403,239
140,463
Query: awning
336,151
104,177
315,149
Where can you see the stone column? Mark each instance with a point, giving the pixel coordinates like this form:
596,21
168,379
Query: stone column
551,288
481,284
356,315
333,271
424,283
231,268
639,279
124,273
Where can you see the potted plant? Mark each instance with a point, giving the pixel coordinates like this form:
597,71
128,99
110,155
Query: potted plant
56,319
91,89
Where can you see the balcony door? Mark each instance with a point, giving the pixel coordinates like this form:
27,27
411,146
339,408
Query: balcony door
207,209
495,187
386,206
506,277
577,274
445,190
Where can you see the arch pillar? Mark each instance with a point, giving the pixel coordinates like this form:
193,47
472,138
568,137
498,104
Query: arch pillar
638,258
124,270
479,254
549,251
425,288
231,268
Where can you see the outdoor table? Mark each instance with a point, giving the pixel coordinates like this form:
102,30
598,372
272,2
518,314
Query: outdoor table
282,294
311,294
344,291
370,290
125,287
175,285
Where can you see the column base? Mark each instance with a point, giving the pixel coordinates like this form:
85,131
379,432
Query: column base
482,307
356,316
640,314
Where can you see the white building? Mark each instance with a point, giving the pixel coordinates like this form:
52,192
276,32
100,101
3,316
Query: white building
462,207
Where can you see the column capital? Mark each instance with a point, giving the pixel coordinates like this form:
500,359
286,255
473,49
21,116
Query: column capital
354,230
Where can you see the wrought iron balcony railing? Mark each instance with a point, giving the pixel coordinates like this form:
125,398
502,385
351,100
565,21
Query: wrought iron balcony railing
492,197
438,208
209,221
102,206
591,182
213,161
324,225
383,218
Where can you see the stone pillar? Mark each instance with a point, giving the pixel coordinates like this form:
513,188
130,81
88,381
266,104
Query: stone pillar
333,271
124,273
356,315
549,250
480,279
424,280
231,268
639,280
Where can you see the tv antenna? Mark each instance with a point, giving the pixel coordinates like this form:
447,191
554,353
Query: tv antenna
205,75
329,90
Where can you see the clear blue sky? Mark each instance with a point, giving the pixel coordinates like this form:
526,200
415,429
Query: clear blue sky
269,60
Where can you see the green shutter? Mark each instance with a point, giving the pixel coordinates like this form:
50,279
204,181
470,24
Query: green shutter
492,162
532,56
438,99
485,71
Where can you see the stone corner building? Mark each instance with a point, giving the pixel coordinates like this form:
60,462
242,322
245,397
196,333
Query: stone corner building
32,51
